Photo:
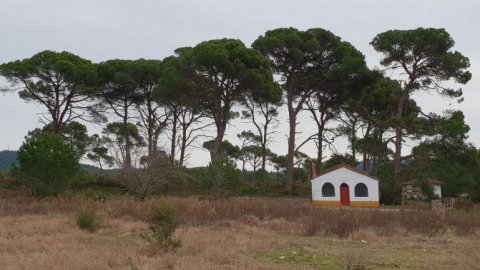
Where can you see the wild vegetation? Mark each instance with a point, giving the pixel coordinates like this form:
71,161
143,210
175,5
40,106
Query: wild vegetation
87,220
260,233
153,112
151,108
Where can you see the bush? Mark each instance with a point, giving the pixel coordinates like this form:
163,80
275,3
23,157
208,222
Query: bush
154,175
163,225
427,190
301,175
97,195
390,190
223,177
87,220
47,164
248,190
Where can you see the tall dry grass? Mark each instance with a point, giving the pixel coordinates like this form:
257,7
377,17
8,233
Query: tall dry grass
292,216
239,233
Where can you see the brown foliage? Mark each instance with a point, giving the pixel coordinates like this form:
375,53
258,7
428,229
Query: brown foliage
291,216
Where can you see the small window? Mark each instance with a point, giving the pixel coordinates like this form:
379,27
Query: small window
361,190
328,190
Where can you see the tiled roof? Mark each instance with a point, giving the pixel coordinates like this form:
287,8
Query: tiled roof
409,182
429,181
346,166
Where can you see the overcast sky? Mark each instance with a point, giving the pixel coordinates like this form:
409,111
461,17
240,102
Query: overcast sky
99,30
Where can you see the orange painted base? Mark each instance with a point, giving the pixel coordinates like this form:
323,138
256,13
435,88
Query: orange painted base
326,203
355,204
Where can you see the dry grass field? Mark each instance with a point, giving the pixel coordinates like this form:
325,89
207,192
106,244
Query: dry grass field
239,233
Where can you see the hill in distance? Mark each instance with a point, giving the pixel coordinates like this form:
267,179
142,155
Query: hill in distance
8,158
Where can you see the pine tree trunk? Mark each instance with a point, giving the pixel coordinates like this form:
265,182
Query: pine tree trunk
319,154
173,146
291,146
217,147
397,159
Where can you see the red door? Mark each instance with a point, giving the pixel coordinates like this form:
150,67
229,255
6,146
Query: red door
344,194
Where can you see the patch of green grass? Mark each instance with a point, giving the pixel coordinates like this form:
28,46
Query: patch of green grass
302,257
352,255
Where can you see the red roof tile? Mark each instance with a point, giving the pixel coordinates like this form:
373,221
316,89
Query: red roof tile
409,182
346,166
429,181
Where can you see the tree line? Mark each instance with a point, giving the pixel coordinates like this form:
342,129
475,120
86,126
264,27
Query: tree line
144,105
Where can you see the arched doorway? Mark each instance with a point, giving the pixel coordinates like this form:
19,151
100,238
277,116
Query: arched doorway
344,194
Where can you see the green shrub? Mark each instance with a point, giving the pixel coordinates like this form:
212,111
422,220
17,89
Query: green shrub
163,225
301,175
95,194
47,164
223,177
427,190
390,189
88,220
248,190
